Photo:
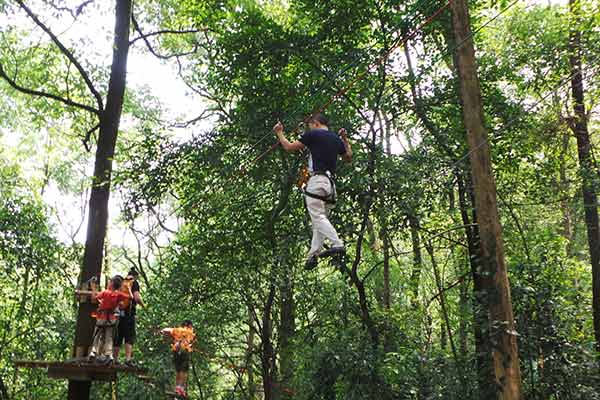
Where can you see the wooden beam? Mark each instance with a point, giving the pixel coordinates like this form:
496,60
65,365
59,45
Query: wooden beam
81,370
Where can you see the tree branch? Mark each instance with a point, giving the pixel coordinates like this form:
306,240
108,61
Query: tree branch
67,53
144,37
458,281
74,12
88,134
40,93
207,113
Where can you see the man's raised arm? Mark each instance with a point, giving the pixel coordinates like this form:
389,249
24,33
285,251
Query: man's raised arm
286,144
347,156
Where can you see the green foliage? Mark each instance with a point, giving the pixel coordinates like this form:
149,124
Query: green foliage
221,240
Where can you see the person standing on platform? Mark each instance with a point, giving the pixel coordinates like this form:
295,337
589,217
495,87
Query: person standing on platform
126,328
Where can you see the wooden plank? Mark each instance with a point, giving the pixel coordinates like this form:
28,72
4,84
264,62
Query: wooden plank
81,369
81,374
31,364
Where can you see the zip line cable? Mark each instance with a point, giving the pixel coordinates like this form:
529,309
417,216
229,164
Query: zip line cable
361,76
313,92
408,37
412,35
399,42
243,169
516,119
463,158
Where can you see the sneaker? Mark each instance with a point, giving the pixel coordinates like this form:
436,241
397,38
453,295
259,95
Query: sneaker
311,263
338,250
180,391
91,357
129,363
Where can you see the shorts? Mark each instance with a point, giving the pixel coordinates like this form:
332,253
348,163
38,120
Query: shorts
125,330
181,359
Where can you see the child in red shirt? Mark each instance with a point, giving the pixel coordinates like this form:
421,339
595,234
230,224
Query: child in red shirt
106,320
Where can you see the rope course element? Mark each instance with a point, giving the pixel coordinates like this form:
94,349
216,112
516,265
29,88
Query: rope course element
244,168
399,42
323,84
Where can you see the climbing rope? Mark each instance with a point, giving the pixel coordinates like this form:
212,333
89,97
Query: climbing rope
398,43
323,84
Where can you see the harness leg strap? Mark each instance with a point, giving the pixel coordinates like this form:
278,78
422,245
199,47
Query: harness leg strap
327,199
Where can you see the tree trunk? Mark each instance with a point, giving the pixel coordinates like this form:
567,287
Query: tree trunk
565,207
387,302
463,302
415,275
98,205
580,129
249,354
505,354
485,374
286,332
267,353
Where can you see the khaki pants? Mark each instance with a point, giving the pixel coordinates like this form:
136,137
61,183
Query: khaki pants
103,339
319,211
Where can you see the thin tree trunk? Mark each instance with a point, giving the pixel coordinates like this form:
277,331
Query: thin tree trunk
580,129
415,275
286,332
386,272
463,302
564,191
249,355
505,353
267,353
445,325
98,204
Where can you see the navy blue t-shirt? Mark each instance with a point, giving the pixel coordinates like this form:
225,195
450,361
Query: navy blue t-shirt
324,146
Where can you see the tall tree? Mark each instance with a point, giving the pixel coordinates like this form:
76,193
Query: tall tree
505,355
586,164
110,118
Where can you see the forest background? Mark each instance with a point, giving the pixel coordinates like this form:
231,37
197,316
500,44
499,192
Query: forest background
165,104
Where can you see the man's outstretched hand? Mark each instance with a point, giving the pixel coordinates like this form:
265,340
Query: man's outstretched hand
347,156
343,134
278,128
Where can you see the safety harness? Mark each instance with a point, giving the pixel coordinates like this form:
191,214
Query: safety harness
329,199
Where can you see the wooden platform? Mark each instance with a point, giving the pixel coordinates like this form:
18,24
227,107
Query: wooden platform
81,369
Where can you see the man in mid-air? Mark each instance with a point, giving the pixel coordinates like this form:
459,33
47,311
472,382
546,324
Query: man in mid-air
324,147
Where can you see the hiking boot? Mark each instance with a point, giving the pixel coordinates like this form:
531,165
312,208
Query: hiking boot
333,251
311,263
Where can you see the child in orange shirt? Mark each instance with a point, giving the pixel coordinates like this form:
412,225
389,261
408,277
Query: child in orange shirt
183,338
106,320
